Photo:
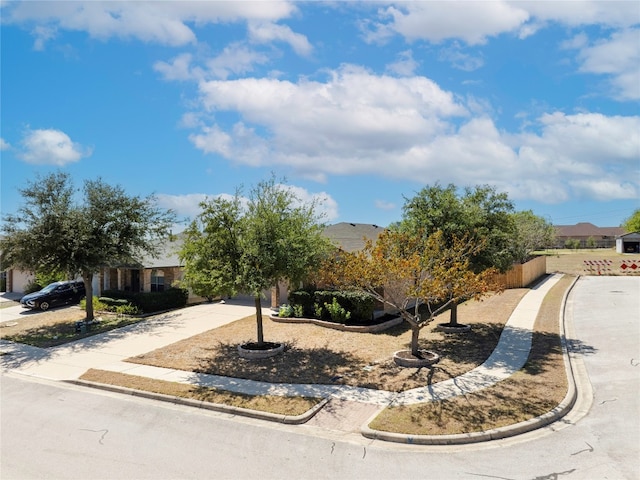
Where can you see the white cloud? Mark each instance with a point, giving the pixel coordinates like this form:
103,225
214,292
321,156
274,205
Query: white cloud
617,14
384,205
405,66
472,22
475,22
586,155
267,32
325,205
618,56
4,145
178,69
51,147
460,60
188,206
235,59
410,129
184,205
158,22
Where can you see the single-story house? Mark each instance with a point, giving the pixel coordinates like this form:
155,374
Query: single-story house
628,243
588,234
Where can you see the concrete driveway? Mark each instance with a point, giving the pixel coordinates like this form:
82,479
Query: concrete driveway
17,313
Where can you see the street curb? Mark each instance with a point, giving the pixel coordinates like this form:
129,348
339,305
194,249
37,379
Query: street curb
217,407
562,409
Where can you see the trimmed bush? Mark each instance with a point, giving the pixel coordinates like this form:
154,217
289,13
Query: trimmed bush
337,313
315,304
149,302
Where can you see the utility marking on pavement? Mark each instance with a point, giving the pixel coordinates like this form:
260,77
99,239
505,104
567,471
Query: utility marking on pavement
590,449
97,431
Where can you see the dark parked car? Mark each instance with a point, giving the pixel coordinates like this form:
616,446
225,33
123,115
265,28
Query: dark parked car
55,294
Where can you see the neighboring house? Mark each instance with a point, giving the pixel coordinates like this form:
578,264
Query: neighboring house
588,235
628,243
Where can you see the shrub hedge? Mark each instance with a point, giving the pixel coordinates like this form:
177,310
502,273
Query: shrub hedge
313,303
149,302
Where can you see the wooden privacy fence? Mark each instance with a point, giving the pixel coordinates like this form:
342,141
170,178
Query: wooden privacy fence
524,274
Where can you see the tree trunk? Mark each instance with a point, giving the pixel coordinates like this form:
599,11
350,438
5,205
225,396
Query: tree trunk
258,304
453,319
87,278
415,333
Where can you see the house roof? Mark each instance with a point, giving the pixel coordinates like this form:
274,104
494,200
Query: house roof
586,229
630,235
168,254
351,237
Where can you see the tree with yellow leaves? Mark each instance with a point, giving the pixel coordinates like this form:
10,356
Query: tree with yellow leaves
420,276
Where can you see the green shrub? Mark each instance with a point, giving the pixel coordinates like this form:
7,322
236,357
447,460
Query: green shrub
305,299
298,311
127,309
32,286
359,304
337,312
98,305
285,311
318,310
149,302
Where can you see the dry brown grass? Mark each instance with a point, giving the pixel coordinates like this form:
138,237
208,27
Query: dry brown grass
57,327
536,389
318,355
572,261
265,403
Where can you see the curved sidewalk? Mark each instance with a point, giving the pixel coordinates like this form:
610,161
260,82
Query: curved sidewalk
509,356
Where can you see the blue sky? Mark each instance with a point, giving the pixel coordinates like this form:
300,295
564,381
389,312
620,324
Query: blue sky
356,104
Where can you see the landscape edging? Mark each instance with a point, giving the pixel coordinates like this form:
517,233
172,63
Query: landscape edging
340,326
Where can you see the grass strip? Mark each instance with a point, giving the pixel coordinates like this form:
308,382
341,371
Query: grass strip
291,406
59,333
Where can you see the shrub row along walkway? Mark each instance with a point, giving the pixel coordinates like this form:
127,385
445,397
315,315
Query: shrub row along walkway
107,352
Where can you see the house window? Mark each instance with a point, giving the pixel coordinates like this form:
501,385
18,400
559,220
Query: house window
157,281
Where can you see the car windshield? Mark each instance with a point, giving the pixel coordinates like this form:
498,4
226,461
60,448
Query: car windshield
49,288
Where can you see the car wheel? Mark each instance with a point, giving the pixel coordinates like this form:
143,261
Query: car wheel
44,306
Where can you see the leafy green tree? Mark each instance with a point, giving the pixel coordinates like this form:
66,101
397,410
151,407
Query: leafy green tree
229,249
55,231
211,250
632,224
532,233
479,214
572,243
419,275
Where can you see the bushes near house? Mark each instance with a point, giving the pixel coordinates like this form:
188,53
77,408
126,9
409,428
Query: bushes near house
119,306
148,302
331,305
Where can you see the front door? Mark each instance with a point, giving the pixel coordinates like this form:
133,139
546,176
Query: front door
135,280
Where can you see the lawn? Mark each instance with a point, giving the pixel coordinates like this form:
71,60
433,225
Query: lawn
58,326
319,355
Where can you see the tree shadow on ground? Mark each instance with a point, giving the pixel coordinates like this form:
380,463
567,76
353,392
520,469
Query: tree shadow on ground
320,365
474,346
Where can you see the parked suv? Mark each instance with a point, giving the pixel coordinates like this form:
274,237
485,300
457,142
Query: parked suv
54,294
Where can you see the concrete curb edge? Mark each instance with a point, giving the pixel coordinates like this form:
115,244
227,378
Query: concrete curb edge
218,407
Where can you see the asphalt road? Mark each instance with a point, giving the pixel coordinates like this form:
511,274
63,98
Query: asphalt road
57,431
